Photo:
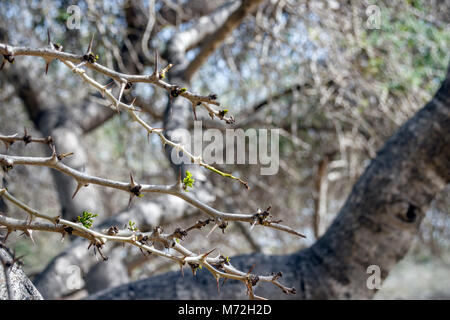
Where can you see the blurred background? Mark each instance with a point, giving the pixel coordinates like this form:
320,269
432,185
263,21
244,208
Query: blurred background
335,79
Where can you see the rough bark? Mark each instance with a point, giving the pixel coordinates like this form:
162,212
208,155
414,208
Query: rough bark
20,287
375,226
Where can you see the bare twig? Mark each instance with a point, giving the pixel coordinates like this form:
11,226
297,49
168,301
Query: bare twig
26,138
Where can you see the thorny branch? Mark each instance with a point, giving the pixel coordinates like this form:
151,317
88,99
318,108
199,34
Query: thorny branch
126,81
219,266
83,179
26,138
132,110
89,60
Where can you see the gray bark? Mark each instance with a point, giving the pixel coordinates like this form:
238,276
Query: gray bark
20,287
375,226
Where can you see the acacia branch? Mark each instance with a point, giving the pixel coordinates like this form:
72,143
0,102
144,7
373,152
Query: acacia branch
220,266
9,140
132,110
89,60
9,52
83,179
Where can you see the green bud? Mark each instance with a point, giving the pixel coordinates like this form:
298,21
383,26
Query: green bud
87,219
188,181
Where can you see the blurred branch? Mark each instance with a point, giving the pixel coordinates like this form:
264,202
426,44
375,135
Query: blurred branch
95,121
148,29
277,96
216,39
186,40
249,237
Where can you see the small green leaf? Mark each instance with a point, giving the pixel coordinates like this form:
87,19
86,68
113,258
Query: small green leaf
188,181
132,226
87,219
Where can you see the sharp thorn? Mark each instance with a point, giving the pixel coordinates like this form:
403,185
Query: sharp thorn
122,88
218,286
156,63
129,201
212,230
132,182
30,235
79,186
208,253
195,113
90,44
7,235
